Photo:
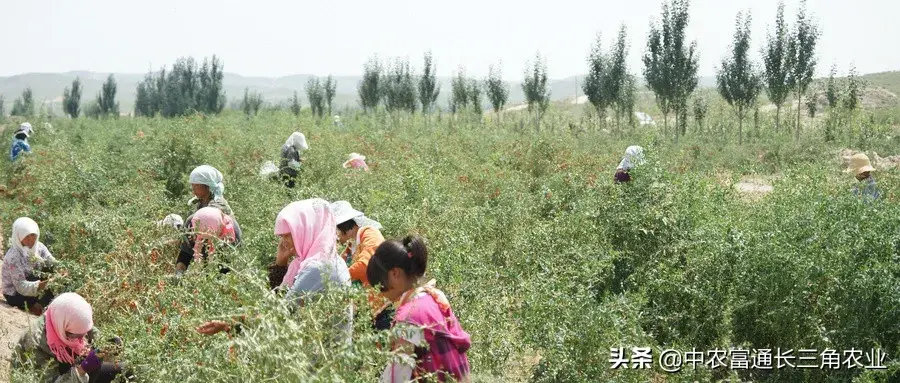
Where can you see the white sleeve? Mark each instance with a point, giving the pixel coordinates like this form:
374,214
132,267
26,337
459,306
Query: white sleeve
399,372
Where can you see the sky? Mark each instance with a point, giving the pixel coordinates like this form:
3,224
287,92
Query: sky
282,37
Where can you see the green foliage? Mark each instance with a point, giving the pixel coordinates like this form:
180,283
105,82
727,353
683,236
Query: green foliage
2,107
185,89
251,103
801,51
295,105
701,107
537,94
855,87
330,91
399,88
429,89
497,90
776,65
315,94
370,87
459,91
106,98
474,96
72,99
594,86
24,105
670,64
738,81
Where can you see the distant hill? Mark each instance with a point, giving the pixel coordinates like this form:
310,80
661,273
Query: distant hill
48,87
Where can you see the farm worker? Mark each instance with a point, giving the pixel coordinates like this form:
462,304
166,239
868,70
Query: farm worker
62,337
209,226
290,157
337,121
363,236
20,141
423,314
862,168
26,258
172,220
306,232
208,189
634,156
361,233
356,161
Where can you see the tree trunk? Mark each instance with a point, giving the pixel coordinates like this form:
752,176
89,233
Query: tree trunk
740,128
797,133
665,123
777,118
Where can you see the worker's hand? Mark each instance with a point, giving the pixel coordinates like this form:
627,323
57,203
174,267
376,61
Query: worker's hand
91,363
285,253
213,327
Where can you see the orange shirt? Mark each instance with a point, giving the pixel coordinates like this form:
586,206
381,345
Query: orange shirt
368,239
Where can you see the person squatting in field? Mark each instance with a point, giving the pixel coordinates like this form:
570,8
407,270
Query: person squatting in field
26,258
363,236
20,141
356,161
634,156
862,168
208,189
59,343
430,331
290,157
307,263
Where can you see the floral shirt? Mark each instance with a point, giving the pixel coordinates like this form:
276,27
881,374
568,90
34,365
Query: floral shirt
18,267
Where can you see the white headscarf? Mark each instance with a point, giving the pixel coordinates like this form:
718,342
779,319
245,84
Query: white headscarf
209,176
22,228
634,155
298,141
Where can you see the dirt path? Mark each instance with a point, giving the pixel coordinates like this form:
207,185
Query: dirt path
13,323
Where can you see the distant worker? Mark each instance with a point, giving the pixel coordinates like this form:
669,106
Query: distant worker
20,142
356,161
290,157
634,156
337,121
862,168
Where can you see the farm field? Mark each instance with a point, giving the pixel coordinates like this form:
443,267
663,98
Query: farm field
547,263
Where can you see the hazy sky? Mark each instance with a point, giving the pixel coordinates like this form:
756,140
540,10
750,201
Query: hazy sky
274,38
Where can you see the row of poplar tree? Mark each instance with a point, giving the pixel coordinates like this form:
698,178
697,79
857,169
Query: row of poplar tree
670,66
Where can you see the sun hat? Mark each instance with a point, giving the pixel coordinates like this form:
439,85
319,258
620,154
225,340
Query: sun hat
859,163
343,212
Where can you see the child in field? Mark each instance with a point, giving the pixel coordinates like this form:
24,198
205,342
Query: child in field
862,168
290,157
431,332
59,342
634,156
208,189
363,236
20,142
25,259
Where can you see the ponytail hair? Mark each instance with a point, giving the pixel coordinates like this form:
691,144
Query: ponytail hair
409,254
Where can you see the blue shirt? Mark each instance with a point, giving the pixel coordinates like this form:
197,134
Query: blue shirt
18,146
866,188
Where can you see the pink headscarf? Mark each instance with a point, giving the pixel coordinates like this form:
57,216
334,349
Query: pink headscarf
68,312
312,228
211,222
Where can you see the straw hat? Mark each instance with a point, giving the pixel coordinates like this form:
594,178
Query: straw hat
859,163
